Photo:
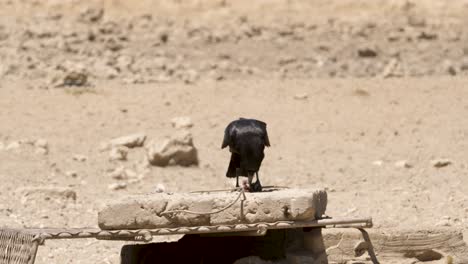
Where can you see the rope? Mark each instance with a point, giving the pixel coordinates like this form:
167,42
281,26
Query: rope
241,193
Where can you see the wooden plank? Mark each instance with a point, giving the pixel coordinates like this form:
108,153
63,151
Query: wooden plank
419,244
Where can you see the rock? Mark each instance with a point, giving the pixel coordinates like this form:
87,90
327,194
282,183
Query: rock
80,158
182,122
41,143
190,76
91,15
367,53
439,163
42,146
72,78
444,222
130,141
13,145
117,186
102,70
403,164
118,173
301,96
72,174
41,151
118,153
47,193
160,188
177,150
378,163
155,210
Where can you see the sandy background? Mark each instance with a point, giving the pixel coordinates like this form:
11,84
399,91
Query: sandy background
360,97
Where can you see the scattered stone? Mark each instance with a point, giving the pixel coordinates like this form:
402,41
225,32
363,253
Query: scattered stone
156,210
177,150
91,15
118,173
130,141
190,77
47,193
392,69
301,96
102,70
182,122
367,53
70,79
13,145
72,174
118,153
41,151
377,163
403,164
42,146
445,221
160,188
41,143
80,158
117,186
439,163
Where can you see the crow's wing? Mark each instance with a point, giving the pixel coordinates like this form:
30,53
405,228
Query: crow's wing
233,165
263,126
229,135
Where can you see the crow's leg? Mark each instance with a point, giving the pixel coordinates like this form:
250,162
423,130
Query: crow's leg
257,186
258,179
237,177
250,175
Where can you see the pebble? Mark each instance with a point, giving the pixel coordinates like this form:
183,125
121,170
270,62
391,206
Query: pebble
130,141
403,164
377,163
301,96
117,186
13,145
80,158
118,173
182,122
439,163
118,153
72,174
41,143
160,188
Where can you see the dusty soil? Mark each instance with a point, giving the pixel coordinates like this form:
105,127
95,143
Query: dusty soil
360,97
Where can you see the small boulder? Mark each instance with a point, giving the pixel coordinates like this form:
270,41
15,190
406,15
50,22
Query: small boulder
130,141
177,150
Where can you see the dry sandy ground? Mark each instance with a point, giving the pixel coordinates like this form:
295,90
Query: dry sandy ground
349,135
330,139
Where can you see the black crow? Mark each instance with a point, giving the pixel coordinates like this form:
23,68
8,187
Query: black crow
246,139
